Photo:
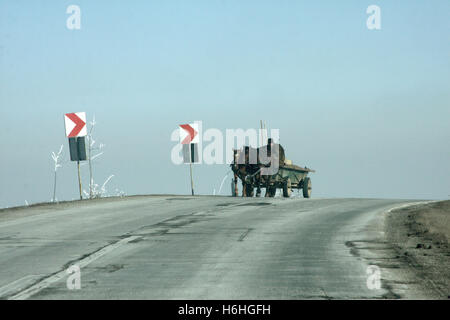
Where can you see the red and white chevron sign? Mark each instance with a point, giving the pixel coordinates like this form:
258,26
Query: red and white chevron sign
189,133
75,124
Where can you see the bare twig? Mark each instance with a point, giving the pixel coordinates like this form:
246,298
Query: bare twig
56,160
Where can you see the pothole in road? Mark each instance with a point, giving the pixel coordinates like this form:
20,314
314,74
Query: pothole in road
171,225
255,204
224,204
111,267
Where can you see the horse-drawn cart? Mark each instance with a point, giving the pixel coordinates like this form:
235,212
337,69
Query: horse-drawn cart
287,177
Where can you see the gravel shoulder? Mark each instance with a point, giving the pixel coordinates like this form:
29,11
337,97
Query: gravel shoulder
420,235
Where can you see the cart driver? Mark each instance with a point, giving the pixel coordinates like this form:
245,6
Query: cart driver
278,151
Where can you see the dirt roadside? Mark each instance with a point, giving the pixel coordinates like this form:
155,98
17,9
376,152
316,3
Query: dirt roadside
420,235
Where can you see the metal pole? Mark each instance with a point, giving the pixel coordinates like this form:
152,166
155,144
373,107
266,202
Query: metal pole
54,189
192,179
190,166
262,134
79,179
90,167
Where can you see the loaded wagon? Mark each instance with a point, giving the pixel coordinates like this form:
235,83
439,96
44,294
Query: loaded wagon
288,177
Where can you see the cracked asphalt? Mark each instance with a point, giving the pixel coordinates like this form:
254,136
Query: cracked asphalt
205,247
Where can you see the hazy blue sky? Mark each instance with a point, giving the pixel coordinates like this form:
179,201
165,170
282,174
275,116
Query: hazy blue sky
369,110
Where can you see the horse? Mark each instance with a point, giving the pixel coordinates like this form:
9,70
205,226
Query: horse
247,166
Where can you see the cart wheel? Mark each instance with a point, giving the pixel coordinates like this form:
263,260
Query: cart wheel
249,190
287,188
307,188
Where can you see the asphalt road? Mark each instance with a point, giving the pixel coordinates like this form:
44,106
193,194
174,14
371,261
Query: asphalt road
173,247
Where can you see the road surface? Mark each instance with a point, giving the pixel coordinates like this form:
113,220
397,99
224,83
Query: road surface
176,247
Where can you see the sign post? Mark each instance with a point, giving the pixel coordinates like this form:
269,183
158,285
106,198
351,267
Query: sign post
76,131
79,180
190,165
189,139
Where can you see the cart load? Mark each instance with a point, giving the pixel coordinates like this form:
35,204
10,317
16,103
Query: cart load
249,167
